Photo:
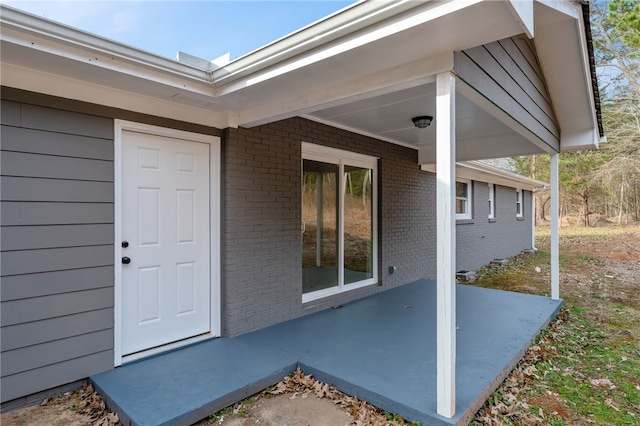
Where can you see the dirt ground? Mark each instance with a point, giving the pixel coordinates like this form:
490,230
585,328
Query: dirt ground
600,276
298,400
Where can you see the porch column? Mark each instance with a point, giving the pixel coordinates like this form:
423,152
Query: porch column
446,243
533,220
555,244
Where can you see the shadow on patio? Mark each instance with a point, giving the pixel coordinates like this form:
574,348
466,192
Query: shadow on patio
381,348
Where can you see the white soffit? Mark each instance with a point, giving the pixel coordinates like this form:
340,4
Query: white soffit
428,29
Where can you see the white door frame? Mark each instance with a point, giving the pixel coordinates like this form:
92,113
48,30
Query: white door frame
121,126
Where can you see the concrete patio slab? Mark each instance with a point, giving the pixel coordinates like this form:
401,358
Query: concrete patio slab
381,348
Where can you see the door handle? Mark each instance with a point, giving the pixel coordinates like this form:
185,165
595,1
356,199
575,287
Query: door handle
126,260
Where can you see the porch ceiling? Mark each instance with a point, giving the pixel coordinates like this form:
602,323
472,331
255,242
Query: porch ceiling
388,117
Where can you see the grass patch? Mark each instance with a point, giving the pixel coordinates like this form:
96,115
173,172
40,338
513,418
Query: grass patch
584,368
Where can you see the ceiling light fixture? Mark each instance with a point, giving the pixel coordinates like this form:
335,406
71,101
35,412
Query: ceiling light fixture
422,122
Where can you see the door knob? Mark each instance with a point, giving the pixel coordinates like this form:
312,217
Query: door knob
126,260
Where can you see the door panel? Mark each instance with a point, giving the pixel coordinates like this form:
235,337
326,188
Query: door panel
165,219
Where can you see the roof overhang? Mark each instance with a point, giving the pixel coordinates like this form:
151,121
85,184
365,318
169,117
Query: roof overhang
563,50
367,68
478,171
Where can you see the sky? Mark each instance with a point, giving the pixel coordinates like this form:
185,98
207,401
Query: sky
206,29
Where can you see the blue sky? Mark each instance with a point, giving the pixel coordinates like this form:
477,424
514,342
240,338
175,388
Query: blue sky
206,29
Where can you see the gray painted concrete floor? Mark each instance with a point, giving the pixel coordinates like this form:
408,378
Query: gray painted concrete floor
381,348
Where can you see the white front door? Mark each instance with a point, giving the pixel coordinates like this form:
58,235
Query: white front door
165,265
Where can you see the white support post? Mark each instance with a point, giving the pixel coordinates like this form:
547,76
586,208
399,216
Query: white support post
533,220
555,240
446,243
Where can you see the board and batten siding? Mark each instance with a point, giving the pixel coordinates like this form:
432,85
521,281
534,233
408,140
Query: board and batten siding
57,247
507,72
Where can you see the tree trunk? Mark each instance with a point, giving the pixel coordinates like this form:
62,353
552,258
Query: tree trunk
585,208
635,200
544,205
621,202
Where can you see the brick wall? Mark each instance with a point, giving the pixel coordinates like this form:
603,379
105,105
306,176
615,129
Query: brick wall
479,241
262,272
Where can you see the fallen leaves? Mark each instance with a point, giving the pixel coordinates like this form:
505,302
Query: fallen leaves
92,405
603,383
300,385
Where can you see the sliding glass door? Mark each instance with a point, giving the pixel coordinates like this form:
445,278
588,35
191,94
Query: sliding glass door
320,222
339,245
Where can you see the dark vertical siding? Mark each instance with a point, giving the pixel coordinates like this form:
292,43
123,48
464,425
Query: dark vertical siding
57,247
508,74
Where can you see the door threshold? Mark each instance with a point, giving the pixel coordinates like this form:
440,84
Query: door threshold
160,350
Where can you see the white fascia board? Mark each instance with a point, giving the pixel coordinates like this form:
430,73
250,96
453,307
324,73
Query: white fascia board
523,11
259,70
329,28
34,32
561,35
581,140
56,85
399,78
478,171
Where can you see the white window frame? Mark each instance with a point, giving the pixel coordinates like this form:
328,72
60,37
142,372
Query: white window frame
468,201
519,203
492,200
341,158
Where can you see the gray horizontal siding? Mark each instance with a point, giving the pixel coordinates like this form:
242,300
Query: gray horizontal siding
55,236
30,357
19,139
41,308
47,283
57,247
52,213
507,73
44,260
47,166
37,332
54,190
59,121
37,379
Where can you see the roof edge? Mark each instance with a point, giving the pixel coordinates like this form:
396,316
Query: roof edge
592,65
477,170
11,18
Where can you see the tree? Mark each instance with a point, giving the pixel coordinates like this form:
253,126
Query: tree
616,37
605,181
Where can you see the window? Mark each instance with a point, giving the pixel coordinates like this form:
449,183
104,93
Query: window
463,200
519,209
339,221
492,201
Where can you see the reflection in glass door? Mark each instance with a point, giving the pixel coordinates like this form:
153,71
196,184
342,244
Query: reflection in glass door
358,224
319,226
339,217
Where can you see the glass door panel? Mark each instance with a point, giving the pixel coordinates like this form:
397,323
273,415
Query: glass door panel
358,229
319,226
